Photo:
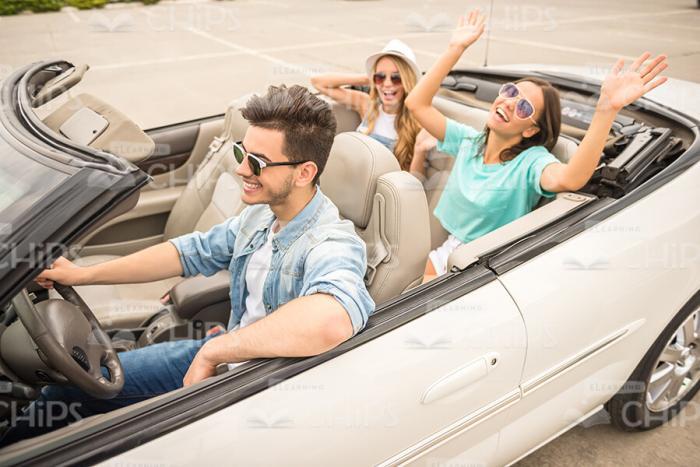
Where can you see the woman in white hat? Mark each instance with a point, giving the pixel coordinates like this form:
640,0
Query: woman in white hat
391,75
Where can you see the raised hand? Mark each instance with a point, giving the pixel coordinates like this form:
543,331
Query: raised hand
622,87
469,29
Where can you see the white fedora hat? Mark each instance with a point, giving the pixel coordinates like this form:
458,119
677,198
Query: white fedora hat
396,48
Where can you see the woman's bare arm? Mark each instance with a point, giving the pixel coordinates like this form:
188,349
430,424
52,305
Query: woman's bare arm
331,85
619,89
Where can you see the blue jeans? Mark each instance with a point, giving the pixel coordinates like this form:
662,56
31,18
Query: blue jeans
148,372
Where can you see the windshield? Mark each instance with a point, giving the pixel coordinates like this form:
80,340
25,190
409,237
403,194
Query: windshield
23,182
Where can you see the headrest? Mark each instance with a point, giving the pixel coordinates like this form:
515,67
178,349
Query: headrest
350,176
87,120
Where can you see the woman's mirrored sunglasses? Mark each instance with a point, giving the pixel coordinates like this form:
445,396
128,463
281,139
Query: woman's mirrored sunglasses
523,107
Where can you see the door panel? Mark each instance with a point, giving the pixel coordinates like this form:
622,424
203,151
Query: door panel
207,130
365,407
179,151
594,304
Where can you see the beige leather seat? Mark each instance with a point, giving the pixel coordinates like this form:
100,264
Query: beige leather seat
210,197
388,208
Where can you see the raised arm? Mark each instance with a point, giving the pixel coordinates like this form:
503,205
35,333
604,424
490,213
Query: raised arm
619,89
331,85
420,100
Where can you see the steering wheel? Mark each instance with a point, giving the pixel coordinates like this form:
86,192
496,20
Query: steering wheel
73,342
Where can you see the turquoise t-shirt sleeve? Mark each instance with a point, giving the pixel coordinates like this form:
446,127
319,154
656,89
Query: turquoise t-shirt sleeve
455,134
541,160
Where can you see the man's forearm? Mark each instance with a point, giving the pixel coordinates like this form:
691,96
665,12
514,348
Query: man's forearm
303,327
158,262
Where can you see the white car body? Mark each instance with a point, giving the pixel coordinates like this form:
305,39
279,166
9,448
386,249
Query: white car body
480,367
482,380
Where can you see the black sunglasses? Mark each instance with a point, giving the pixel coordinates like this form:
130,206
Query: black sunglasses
256,163
380,77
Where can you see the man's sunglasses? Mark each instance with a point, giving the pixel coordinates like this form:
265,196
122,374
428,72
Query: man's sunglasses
255,162
523,107
380,77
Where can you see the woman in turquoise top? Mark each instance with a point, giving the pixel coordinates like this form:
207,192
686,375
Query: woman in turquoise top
500,173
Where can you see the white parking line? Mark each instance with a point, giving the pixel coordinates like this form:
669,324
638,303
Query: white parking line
633,35
348,39
71,12
160,61
561,48
588,19
247,50
667,26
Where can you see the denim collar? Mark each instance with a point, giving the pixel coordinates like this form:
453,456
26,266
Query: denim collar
300,223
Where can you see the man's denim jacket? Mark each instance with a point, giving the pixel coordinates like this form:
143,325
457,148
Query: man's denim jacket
316,252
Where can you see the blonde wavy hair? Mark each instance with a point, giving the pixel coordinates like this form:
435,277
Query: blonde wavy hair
406,125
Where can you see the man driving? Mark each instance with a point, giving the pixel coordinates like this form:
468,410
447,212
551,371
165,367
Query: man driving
296,268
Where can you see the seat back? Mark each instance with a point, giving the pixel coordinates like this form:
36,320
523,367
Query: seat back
388,208
213,194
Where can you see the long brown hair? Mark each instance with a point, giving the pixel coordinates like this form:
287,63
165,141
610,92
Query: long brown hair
549,123
406,125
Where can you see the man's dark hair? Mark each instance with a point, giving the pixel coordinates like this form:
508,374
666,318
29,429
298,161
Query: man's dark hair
306,121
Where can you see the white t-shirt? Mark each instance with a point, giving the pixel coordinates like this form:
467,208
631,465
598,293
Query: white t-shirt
255,275
384,130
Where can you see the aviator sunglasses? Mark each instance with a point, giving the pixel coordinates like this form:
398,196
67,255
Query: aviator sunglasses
380,77
255,162
523,107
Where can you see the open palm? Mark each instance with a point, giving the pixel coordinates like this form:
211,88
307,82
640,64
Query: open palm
469,29
622,87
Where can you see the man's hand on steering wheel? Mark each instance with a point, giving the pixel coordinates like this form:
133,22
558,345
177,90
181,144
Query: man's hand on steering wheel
64,272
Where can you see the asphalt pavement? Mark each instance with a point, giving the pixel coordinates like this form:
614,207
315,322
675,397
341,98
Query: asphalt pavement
181,60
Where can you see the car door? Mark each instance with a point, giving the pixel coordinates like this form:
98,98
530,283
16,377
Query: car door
595,303
179,149
422,393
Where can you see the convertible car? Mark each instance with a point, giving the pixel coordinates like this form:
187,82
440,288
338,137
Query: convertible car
590,301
